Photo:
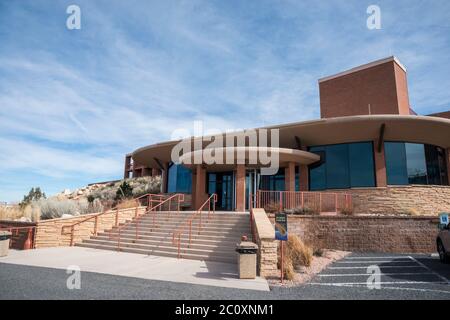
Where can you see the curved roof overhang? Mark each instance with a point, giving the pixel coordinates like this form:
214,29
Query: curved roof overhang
409,128
221,159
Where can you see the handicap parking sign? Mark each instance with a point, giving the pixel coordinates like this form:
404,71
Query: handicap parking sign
443,218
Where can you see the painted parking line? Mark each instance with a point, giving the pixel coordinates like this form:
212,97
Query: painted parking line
434,272
370,257
397,273
382,274
381,282
381,267
375,262
359,285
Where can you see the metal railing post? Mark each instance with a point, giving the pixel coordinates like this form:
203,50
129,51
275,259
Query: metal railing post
190,232
95,225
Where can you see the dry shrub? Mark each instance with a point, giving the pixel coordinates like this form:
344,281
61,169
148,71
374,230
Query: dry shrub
346,211
129,203
10,213
411,212
272,207
296,253
300,253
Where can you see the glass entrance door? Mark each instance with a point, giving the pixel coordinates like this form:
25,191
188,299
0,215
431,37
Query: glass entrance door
252,178
221,183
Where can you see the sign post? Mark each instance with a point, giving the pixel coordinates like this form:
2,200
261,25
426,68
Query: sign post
281,233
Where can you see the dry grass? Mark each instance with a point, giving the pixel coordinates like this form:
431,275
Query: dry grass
300,253
10,213
15,213
296,253
411,212
346,211
129,203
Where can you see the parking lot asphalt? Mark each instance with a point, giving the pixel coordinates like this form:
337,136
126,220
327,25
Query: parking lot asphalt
403,277
387,273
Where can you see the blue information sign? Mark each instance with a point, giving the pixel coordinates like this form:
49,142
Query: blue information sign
443,218
281,232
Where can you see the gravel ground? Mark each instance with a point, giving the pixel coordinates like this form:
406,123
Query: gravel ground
24,282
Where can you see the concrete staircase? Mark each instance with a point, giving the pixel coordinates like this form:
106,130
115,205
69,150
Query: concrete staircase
216,241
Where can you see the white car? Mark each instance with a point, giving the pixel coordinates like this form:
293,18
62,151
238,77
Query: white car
443,244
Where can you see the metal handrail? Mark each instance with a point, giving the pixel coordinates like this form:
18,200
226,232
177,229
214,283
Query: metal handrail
319,201
115,210
176,235
31,233
178,196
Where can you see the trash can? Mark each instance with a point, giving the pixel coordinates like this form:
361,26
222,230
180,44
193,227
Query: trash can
247,259
5,237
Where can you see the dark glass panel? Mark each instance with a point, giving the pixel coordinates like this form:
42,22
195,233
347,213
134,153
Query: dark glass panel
361,164
416,163
179,179
317,174
396,170
337,171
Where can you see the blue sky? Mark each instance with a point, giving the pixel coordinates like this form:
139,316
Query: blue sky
73,102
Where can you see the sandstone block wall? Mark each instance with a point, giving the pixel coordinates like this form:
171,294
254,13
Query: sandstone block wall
267,245
426,200
49,233
392,234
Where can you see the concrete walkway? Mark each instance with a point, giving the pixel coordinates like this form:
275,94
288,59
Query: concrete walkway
137,266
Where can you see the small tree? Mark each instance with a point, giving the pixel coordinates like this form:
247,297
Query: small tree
124,191
34,195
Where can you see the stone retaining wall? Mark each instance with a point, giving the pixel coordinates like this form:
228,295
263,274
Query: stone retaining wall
49,233
392,234
265,239
425,200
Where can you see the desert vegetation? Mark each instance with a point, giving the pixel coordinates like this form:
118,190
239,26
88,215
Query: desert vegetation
96,198
296,255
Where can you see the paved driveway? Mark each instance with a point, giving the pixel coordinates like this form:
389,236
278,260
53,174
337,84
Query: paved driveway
135,265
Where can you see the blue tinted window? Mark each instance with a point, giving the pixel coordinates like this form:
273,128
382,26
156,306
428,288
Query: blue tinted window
396,170
413,163
337,167
416,163
274,182
343,166
317,174
179,179
361,164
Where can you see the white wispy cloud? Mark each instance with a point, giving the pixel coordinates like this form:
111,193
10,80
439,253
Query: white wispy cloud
77,101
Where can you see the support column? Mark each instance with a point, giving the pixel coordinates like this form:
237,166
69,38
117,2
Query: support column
164,177
199,187
240,187
193,187
380,165
304,177
289,177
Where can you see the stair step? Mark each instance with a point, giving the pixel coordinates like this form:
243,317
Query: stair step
205,225
195,241
166,245
156,234
170,231
193,256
